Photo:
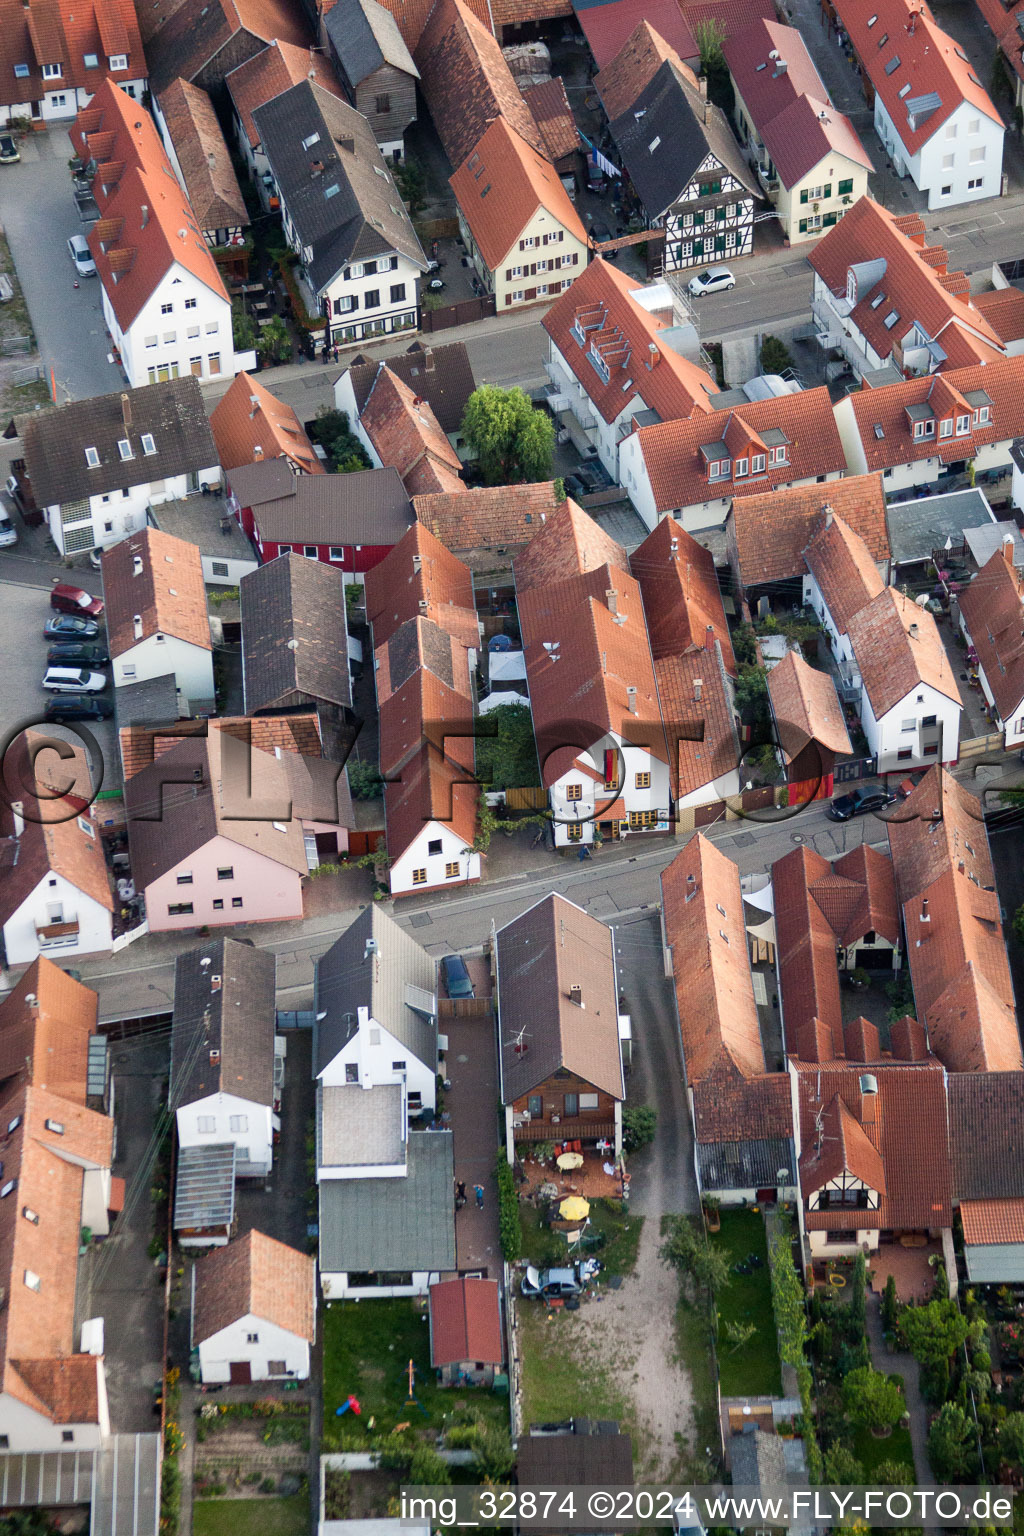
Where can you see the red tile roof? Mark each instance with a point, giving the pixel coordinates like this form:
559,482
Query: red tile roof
731,1108
898,647
806,957
772,529
65,32
165,589
704,925
203,156
841,564
955,946
703,729
465,1322
992,606
790,108
631,71
405,432
502,185
992,1221
897,1136
47,1042
682,598
147,225
434,702
487,518
550,109
432,788
928,60
254,1276
570,542
248,418
419,576
678,472
1003,308
806,707
272,72
912,283
601,301
610,28
467,82
880,415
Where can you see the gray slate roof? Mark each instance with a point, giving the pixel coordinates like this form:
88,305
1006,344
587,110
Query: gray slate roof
365,36
917,527
363,216
986,1134
153,701
674,113
393,1224
173,413
227,1004
294,634
593,1453
743,1164
758,1461
350,977
370,506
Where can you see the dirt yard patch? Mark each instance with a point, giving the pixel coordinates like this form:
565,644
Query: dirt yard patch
613,1359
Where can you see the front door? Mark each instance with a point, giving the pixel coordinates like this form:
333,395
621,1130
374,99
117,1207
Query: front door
241,1375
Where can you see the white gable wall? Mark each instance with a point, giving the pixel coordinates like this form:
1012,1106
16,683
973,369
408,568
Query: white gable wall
159,654
55,899
451,851
272,1353
222,1117
373,1053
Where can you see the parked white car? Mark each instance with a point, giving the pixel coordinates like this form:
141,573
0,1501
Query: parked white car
73,680
8,532
78,250
712,280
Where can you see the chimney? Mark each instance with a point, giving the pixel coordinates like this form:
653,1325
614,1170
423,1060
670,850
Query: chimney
428,360
576,996
925,914
613,600
604,663
631,699
137,626
698,687
702,86
913,22
137,566
1007,548
868,1093
257,452
653,355
781,68
709,637
144,211
913,631
18,813
829,514
126,410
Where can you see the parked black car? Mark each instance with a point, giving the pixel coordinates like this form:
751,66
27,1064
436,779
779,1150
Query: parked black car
859,802
67,653
457,980
75,706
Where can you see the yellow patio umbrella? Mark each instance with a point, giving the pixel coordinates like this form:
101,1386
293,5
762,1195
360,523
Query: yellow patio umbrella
570,1160
574,1208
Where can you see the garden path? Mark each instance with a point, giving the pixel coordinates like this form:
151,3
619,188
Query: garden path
884,1359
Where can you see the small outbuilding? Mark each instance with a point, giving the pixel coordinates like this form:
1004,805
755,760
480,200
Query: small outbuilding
466,1342
253,1311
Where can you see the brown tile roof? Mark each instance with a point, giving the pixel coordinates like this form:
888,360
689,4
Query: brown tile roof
295,632
291,733
405,432
704,926
806,707
806,955
601,303
926,57
66,1390
704,729
906,1136
841,564
911,282
483,519
898,647
633,68
46,1043
369,506
992,1221
1004,23
190,786
426,693
886,409
986,1134
993,610
772,529
876,907
248,417
467,82
432,788
203,156
160,578
138,240
541,955
441,375
609,28
570,542
526,181
222,1030
549,106
790,108
205,40
465,1322
678,473
255,1275
271,72
682,598
52,841
840,1145
420,576
731,1108
955,946
1003,308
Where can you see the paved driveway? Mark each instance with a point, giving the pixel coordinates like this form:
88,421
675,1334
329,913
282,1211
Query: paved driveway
38,214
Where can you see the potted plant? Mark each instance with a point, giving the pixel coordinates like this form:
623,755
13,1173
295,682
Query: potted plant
859,979
712,1212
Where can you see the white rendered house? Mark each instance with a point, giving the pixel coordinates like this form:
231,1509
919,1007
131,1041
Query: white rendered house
253,1311
157,621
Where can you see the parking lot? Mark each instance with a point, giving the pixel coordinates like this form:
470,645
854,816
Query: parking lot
24,609
38,214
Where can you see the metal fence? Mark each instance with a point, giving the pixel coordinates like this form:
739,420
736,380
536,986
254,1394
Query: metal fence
18,346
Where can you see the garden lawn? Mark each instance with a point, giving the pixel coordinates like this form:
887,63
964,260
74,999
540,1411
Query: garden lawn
557,1383
754,1369
871,1451
620,1228
242,1517
367,1349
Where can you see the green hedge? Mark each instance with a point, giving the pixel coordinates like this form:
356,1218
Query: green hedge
509,1225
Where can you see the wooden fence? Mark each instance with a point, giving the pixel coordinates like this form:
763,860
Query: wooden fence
465,312
436,229
977,745
526,799
464,1007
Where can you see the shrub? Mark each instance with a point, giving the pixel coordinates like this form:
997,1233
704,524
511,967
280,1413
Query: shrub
364,780
873,1401
509,1225
268,1485
639,1123
775,355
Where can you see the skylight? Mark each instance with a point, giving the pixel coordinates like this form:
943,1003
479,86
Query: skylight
652,146
314,138
92,458
332,190
877,300
893,64
904,90
148,445
879,430
890,319
124,448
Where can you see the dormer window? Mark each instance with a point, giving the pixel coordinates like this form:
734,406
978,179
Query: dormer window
742,466
757,464
963,426
599,365
946,427
778,455
579,335
118,61
982,416
718,469
924,428
52,71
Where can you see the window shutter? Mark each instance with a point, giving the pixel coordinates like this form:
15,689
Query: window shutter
544,240
508,274
508,298
827,190
522,245
803,195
